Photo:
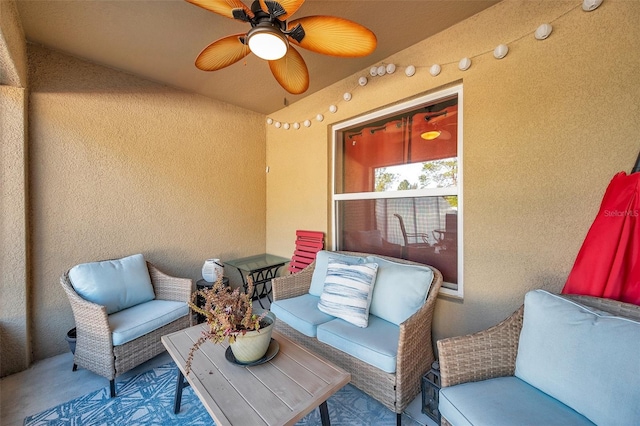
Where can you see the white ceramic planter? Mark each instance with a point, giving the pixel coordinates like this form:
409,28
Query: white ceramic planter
252,346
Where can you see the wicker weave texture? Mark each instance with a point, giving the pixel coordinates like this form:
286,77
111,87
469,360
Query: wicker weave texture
415,347
167,287
142,349
492,352
484,355
94,348
293,285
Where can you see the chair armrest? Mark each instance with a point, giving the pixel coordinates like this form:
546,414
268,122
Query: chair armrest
415,345
167,287
484,355
92,325
293,285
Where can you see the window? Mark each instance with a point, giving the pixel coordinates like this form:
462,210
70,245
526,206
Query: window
397,184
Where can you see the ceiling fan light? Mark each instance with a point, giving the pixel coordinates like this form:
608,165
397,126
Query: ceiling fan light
430,135
267,42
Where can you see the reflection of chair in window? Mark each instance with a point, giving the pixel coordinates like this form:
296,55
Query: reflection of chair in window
447,239
370,241
420,238
442,255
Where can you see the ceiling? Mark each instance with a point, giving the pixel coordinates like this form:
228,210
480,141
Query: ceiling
159,40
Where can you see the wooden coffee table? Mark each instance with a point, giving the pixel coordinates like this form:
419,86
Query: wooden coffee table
278,392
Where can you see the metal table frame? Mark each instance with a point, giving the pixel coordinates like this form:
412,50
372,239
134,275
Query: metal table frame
262,268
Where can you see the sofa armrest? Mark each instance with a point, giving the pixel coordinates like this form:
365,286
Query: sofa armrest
415,347
484,355
167,287
293,285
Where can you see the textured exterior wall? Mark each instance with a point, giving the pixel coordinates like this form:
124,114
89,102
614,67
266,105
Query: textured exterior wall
120,165
15,347
545,129
13,55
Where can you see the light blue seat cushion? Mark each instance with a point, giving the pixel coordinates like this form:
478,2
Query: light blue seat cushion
347,291
115,284
400,289
376,344
138,320
504,401
301,313
320,269
587,359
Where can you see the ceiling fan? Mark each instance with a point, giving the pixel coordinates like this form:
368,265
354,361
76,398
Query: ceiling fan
271,38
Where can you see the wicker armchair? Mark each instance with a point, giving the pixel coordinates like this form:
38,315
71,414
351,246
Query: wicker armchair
94,348
492,352
415,348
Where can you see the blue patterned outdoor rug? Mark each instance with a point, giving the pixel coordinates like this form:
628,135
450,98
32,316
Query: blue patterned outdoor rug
147,399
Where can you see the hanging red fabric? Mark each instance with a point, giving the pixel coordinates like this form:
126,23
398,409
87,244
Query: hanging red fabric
608,264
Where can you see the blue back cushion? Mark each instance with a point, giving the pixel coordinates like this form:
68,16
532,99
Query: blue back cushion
587,359
116,284
400,289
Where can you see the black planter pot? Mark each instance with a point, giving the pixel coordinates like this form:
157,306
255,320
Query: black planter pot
71,340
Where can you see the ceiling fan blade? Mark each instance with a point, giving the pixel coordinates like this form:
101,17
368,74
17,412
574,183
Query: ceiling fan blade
288,6
331,35
222,53
291,72
233,9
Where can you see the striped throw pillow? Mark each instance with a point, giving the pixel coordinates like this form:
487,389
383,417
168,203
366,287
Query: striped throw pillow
347,291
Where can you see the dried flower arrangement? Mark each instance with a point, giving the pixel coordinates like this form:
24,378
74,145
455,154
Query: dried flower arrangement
228,312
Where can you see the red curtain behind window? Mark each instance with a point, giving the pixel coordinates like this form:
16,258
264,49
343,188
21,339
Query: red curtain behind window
608,264
397,142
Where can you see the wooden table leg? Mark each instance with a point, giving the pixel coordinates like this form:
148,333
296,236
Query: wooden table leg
324,414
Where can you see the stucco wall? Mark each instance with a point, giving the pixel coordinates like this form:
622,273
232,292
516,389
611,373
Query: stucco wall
119,165
544,131
13,52
15,352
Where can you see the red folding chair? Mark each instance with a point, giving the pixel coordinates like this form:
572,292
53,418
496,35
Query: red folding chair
308,243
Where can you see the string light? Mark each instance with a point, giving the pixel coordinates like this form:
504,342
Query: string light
541,33
464,64
500,51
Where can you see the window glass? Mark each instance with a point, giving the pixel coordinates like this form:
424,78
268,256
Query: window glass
397,185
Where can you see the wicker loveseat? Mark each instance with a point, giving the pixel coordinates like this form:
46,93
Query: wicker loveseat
414,355
125,331
558,360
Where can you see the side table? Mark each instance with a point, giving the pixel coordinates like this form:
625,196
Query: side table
262,268
202,284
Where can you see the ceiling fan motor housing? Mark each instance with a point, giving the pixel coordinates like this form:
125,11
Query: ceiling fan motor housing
269,22
275,9
268,38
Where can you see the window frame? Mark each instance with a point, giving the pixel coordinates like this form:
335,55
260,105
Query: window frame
401,107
